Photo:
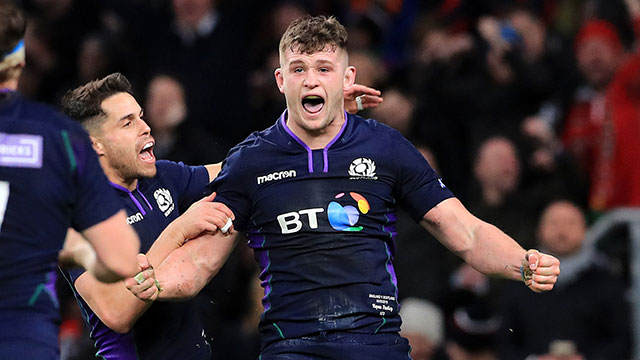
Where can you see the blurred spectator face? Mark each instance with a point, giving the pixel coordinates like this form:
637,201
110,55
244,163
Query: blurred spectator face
396,111
532,31
284,15
562,228
93,60
190,12
597,61
599,52
165,106
497,166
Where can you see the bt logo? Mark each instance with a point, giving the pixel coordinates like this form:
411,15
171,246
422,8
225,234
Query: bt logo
341,218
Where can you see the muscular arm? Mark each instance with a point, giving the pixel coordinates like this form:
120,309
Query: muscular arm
189,268
118,308
115,244
485,247
113,303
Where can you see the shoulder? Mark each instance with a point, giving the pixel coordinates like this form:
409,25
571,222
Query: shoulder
362,127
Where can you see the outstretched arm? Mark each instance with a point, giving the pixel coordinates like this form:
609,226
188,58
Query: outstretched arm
487,248
113,303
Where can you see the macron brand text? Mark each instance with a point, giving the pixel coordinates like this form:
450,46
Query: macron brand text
278,175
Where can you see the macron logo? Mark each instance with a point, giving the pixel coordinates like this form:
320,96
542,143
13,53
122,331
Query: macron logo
278,175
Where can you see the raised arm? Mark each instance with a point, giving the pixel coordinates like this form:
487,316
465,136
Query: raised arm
487,249
113,303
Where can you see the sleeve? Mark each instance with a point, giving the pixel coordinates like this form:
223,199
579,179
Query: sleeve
418,187
95,200
230,190
190,181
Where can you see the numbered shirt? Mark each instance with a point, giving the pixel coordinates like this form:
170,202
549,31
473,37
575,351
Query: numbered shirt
50,180
167,330
322,223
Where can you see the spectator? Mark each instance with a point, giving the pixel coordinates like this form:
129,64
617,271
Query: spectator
423,326
587,311
166,112
497,171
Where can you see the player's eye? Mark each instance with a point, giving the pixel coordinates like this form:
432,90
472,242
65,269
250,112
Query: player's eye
127,123
298,70
324,70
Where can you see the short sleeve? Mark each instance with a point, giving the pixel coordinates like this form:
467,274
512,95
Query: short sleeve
95,200
231,191
419,188
190,181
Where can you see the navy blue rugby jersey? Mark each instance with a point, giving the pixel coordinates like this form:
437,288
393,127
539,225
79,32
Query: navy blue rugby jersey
322,223
167,330
50,180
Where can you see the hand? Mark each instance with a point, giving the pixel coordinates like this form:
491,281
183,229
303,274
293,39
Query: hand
77,252
144,285
370,98
204,216
544,271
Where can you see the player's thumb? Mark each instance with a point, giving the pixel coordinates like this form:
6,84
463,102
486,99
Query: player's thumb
208,198
143,262
533,257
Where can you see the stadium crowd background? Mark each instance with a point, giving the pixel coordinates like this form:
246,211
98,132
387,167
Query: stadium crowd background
518,104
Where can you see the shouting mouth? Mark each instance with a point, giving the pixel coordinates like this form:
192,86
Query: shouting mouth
146,154
313,104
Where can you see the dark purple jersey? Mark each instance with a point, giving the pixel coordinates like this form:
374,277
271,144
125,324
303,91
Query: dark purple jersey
50,180
167,330
322,223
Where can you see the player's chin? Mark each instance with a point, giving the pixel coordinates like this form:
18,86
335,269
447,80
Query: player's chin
147,171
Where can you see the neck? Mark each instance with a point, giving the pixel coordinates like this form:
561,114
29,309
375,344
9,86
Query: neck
11,84
320,138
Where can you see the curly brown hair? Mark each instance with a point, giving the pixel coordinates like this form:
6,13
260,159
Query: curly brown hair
310,34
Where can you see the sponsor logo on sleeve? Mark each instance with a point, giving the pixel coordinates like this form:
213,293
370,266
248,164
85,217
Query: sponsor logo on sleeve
21,150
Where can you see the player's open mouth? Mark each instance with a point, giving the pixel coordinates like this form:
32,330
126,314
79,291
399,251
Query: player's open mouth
313,104
146,154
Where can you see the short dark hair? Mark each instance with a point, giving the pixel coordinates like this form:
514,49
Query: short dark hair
84,103
13,26
310,34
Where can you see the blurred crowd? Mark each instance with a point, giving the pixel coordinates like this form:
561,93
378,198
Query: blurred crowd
529,109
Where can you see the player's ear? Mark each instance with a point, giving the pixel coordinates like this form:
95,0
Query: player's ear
96,144
349,76
279,79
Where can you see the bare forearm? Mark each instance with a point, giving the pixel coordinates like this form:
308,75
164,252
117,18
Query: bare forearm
169,240
188,269
112,303
494,252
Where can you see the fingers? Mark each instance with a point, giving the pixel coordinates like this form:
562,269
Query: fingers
370,101
545,270
143,285
143,262
358,89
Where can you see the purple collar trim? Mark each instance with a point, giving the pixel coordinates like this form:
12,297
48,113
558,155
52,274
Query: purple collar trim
325,151
133,198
